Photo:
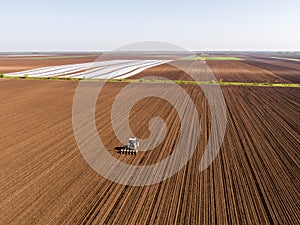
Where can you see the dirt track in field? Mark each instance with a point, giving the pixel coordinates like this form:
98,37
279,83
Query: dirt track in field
45,180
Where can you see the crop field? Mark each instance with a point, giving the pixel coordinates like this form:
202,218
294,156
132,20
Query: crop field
94,70
254,179
204,58
15,63
283,69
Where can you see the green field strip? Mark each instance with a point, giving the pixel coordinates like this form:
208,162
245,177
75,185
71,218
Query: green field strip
290,59
222,83
155,81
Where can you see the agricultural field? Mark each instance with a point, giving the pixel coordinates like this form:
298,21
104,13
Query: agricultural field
15,63
215,58
117,69
254,179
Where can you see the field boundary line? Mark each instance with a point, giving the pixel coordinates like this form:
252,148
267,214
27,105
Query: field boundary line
155,81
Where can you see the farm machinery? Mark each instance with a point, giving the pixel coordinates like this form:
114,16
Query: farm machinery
131,147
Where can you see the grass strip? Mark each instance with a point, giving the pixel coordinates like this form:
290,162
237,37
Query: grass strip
213,82
38,78
290,59
155,81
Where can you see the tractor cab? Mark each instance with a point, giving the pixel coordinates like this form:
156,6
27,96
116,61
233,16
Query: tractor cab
133,143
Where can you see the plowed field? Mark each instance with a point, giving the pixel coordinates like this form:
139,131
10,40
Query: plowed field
45,180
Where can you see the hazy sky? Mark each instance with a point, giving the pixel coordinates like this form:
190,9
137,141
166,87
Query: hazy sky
195,25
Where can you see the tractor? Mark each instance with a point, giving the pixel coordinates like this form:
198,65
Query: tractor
131,147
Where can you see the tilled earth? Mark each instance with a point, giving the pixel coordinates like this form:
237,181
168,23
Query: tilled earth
45,180
248,70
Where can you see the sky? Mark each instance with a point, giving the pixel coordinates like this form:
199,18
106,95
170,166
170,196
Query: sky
93,25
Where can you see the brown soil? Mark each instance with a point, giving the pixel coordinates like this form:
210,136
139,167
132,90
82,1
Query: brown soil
258,70
287,70
240,71
45,180
169,70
